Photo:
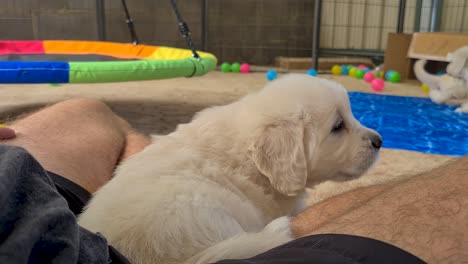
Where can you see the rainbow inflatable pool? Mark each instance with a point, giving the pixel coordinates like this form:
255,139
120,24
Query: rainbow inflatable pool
51,61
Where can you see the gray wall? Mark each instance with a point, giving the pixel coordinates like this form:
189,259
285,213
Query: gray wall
260,30
254,31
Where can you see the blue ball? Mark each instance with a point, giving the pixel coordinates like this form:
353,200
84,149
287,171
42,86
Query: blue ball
439,73
312,72
366,70
344,70
271,75
387,75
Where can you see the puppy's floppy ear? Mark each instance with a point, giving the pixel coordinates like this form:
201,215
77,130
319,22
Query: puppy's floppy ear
277,150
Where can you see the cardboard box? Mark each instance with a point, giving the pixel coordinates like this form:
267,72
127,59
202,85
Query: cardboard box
435,45
404,49
396,55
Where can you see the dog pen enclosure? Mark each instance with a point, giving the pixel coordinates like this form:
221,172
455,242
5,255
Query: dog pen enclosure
254,31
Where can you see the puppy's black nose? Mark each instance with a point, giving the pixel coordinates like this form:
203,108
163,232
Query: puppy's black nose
376,141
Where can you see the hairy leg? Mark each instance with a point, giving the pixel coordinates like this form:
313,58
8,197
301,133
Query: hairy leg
80,139
426,215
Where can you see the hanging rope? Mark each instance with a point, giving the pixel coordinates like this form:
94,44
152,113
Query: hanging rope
184,30
183,27
131,26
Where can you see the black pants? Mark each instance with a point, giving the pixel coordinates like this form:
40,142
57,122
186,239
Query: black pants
332,249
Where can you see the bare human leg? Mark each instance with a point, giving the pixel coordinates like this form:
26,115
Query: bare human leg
79,139
426,215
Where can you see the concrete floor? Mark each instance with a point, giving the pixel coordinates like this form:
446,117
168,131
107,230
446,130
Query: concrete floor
158,106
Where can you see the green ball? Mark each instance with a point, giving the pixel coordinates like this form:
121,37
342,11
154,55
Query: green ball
349,67
394,77
225,67
360,73
235,67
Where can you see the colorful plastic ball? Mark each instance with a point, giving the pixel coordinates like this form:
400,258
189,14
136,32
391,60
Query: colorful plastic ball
344,70
336,70
439,73
366,70
350,67
387,74
394,77
352,72
377,84
235,67
225,67
425,88
360,73
361,66
368,77
271,75
245,68
312,72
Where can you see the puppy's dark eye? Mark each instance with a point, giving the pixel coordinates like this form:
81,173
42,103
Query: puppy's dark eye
338,126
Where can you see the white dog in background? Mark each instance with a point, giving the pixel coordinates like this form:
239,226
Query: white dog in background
450,88
224,185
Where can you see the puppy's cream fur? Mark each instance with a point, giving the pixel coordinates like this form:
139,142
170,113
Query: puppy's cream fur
223,185
450,88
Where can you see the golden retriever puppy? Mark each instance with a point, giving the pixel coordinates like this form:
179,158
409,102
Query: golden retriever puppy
224,185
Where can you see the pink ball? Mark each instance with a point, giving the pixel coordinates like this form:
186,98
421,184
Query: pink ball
362,66
245,68
368,77
377,85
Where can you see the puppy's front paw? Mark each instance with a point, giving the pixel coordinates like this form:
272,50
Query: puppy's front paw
463,108
280,225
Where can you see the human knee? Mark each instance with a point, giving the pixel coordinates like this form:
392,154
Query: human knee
90,110
85,104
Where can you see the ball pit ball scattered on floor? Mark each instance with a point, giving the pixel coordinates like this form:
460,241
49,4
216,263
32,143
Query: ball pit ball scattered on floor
344,70
425,88
271,75
312,72
352,72
235,67
336,70
369,77
394,77
387,74
225,67
377,85
245,68
360,73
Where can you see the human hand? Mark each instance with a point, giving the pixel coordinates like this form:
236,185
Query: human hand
6,133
